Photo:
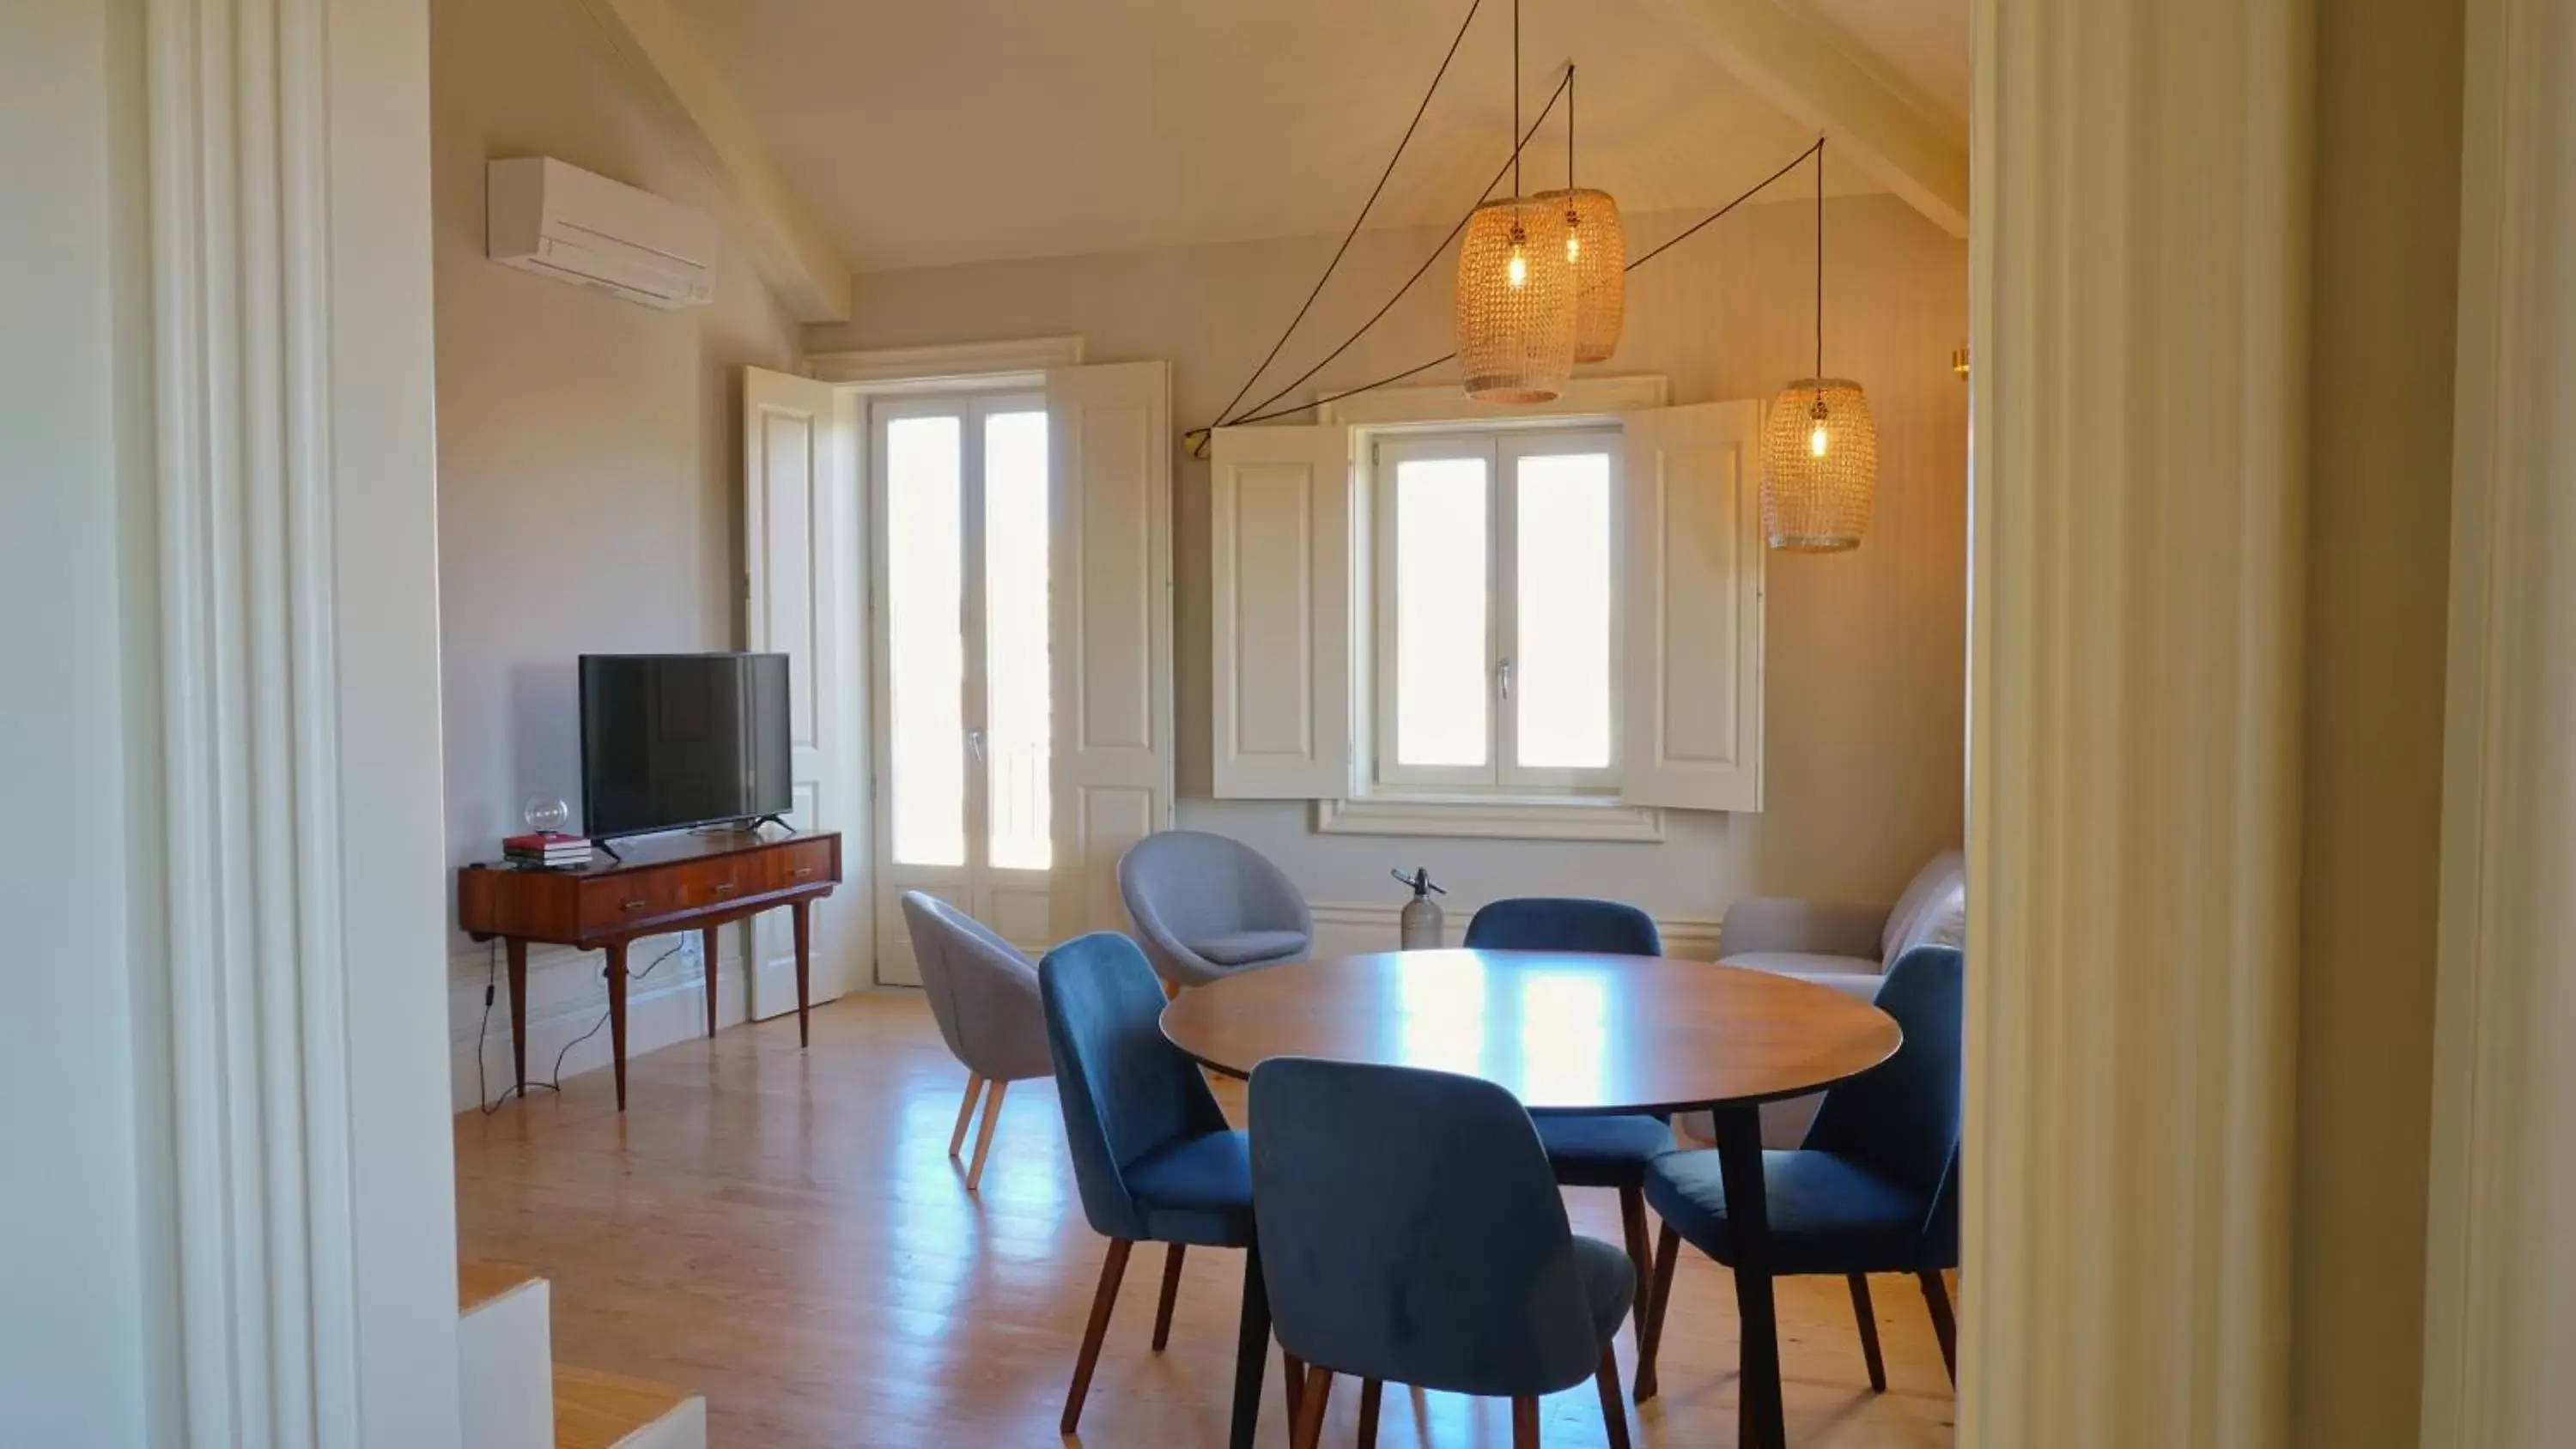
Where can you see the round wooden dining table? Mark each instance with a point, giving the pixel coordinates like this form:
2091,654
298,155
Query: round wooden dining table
1573,1032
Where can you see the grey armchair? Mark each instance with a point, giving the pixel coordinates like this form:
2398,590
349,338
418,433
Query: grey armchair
1849,948
1205,907
984,994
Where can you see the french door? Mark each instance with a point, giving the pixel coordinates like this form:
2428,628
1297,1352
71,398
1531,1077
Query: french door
959,490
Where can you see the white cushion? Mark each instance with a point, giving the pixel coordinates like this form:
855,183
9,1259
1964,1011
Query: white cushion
1804,963
1933,910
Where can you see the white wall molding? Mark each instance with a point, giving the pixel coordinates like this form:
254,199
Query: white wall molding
792,250
2139,413
291,317
2500,1302
1439,404
1497,819
946,363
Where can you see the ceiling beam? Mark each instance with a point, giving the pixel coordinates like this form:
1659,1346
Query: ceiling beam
788,246
1796,60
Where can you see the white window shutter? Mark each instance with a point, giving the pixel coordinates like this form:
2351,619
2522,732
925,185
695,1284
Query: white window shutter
1109,467
1279,556
1691,718
802,516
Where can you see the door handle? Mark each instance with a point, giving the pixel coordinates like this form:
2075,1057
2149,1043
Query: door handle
1503,679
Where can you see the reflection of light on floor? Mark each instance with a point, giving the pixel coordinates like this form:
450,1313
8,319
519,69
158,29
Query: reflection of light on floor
1441,1004
1564,1031
951,1248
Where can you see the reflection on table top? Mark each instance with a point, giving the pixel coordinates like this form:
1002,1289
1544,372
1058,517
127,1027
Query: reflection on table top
1564,1031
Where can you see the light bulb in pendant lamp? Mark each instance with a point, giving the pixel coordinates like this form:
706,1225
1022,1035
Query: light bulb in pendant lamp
1596,247
1515,303
1819,466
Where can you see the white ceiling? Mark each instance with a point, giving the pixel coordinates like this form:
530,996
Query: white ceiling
925,132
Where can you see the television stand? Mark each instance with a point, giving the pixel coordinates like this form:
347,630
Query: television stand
778,820
664,885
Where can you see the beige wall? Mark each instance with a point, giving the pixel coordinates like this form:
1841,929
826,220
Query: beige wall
2385,254
1866,668
587,445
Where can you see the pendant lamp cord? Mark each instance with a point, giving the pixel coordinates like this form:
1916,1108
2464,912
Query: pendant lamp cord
1516,99
1365,207
1264,412
1820,271
1569,137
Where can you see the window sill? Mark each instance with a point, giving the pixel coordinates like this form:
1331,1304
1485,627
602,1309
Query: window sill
1500,818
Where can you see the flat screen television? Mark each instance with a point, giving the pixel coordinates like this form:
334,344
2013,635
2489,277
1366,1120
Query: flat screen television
675,740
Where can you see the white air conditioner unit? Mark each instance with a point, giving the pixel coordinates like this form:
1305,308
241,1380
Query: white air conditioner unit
561,221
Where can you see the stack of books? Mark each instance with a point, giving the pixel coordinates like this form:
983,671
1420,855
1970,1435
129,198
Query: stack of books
547,849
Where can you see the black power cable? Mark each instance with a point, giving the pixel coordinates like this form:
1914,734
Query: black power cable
1817,151
1365,207
491,971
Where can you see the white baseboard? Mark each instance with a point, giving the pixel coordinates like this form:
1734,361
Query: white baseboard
1350,928
567,997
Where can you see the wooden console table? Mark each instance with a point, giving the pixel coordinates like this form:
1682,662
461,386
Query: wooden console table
667,884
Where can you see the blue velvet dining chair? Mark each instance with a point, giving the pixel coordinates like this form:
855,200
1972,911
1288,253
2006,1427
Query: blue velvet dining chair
1611,1149
1875,1187
1411,1233
1153,1158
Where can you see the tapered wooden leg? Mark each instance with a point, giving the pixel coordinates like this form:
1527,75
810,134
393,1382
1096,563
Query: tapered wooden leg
711,940
1614,1410
517,952
1112,1268
1171,1294
1868,1333
1251,1352
965,1114
1310,1408
1760,1422
1668,1252
1292,1381
1524,1424
1371,1390
802,913
1632,1220
1936,1296
984,1135
617,1015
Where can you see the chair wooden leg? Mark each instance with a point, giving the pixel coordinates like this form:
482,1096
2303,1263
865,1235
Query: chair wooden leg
1370,1391
1112,1268
1310,1408
1936,1296
1171,1292
1868,1333
965,1114
1614,1410
1632,1221
1292,1383
1668,1252
984,1134
1524,1424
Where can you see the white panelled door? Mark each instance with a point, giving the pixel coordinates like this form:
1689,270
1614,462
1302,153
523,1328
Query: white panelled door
959,489
1109,444
1280,532
802,539
1691,568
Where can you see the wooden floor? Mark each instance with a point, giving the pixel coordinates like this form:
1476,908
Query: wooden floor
783,1232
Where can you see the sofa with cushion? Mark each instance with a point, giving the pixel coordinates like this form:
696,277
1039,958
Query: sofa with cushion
1846,947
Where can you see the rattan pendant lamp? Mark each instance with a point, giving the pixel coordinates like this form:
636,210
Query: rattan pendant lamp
1819,444
1596,247
1516,306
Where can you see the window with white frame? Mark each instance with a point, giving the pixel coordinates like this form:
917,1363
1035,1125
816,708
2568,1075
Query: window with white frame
1495,630
1536,627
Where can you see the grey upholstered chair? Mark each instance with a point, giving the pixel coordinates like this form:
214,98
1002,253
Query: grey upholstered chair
984,994
1205,907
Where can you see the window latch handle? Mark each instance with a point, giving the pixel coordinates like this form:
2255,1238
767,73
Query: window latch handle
1503,679
975,742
